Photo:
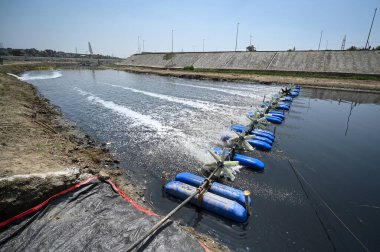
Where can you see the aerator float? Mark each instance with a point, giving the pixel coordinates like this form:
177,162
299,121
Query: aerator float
220,199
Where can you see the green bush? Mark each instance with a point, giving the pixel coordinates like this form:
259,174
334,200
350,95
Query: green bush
251,48
189,68
168,56
352,48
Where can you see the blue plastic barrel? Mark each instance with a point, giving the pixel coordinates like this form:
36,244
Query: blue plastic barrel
243,160
216,188
211,202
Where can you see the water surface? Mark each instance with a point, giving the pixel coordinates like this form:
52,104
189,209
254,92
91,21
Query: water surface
154,124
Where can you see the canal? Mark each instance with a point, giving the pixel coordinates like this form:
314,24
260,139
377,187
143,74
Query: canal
320,189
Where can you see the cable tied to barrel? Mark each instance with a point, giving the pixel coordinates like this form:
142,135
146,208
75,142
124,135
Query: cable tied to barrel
202,189
199,191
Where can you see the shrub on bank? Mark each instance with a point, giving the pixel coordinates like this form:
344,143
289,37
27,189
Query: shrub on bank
168,56
189,68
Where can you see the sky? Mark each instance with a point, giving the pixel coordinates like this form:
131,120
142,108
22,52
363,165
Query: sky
114,27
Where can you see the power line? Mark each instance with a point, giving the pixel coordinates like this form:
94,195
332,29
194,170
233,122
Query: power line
301,179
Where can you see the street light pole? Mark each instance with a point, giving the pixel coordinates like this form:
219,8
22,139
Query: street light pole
172,39
237,33
138,44
320,38
373,19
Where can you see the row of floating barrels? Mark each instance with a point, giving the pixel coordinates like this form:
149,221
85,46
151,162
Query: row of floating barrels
226,201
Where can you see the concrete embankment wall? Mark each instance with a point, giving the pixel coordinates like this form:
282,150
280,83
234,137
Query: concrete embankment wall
352,62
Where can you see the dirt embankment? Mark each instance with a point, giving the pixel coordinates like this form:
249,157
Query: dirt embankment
326,83
42,154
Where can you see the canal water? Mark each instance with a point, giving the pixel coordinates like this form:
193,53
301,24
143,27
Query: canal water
321,186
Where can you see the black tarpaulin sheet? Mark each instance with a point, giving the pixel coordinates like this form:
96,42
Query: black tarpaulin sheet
92,217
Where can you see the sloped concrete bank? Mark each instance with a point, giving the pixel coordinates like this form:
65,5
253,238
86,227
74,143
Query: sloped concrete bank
351,62
372,86
343,70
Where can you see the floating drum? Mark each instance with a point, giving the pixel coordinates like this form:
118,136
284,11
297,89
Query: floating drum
282,107
210,201
262,139
257,132
273,119
216,188
260,145
242,159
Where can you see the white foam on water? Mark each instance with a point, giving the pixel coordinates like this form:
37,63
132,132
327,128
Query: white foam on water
16,76
194,139
138,119
257,88
81,92
276,194
191,144
227,91
198,104
40,76
192,103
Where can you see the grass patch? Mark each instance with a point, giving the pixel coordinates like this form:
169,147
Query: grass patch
168,56
19,68
188,68
348,76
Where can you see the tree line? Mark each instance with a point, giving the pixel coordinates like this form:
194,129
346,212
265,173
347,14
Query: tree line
48,53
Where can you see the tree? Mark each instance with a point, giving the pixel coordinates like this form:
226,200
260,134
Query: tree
352,48
251,48
377,47
3,52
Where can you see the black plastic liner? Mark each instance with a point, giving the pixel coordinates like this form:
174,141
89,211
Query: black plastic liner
92,218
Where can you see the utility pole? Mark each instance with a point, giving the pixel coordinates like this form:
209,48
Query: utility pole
172,39
343,43
373,19
237,33
203,45
90,48
320,38
138,44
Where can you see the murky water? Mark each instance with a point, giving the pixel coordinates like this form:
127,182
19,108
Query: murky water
154,124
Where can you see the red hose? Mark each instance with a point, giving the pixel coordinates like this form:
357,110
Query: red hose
41,205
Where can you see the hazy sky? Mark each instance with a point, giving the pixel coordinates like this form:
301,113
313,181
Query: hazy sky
113,26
